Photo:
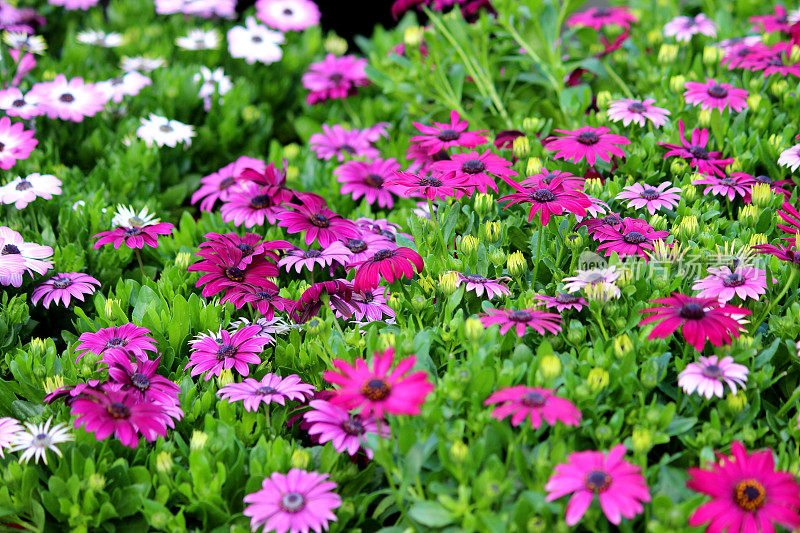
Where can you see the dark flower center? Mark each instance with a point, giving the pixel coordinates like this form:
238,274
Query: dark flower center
389,235
227,182
600,13
519,316
24,185
265,391
264,295
764,179
43,438
564,298
749,494
245,248
225,351
637,107
775,61
429,182
61,283
373,180
588,138
118,410
140,381
66,98
597,481
475,278
543,195
712,371
260,201
649,194
692,310
448,135
116,342
234,274
368,297
292,502
132,232
533,399
594,277
346,148
336,77
733,280
288,12
356,245
19,102
473,166
612,220
698,152
256,39
717,91
383,255
320,220
376,389
10,249
634,237
353,426
116,81
549,178
166,128
308,254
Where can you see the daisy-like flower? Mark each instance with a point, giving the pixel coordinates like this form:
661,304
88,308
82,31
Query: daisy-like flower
61,287
585,278
25,42
587,142
370,305
548,199
346,431
100,38
480,284
477,170
724,284
389,263
546,177
538,320
600,17
700,319
308,259
710,374
251,205
235,351
747,494
212,82
736,183
618,484
318,222
129,84
334,77
163,131
199,39
255,42
366,245
21,256
431,186
225,270
335,141
683,28
665,196
712,95
337,291
696,152
16,143
777,59
37,439
790,158
16,104
791,218
296,502
122,341
141,378
69,99
9,428
288,15
134,230
141,64
220,184
779,21
781,252
562,301
22,191
630,110
367,179
264,300
198,8
521,402
377,391
74,4
271,388
442,136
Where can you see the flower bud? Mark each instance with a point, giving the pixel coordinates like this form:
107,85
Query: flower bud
522,147
536,525
677,166
622,345
493,231
689,194
754,101
459,451
468,244
484,203
533,166
601,292
448,282
779,87
654,37
642,440
676,83
757,238
794,55
603,433
748,214
736,402
386,340
394,302
473,329
704,118
688,226
761,194
418,303
96,482
658,222
712,55
576,332
292,172
597,379
498,257
183,260
532,124
225,377
52,383
550,366
314,326
164,462
413,36
603,98
300,459
335,45
516,264
667,54
250,113
111,303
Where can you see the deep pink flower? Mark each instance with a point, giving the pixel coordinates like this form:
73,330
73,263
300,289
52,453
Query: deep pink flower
299,258
442,136
74,4
69,99
219,185
334,77
367,179
709,376
548,199
338,293
226,269
366,245
481,284
504,140
18,257
124,341
318,222
265,300
712,95
683,28
540,321
141,379
665,196
431,186
724,284
587,142
600,17
477,171
791,217
62,287
134,237
568,181
639,111
250,205
521,402
773,59
371,305
736,183
251,246
376,391
618,484
346,431
695,152
16,143
594,225
271,388
700,319
390,264
562,301
341,143
781,252
747,494
272,177
777,22
235,351
635,237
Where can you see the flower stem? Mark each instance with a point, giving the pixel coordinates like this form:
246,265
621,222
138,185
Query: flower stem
141,266
435,218
775,300
791,401
538,256
599,317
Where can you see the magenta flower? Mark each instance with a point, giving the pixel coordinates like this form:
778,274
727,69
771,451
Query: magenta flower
695,152
639,111
792,218
431,186
232,351
227,269
710,374
712,95
250,245
334,77
69,99
521,402
219,185
477,170
134,229
22,191
367,179
264,300
443,136
16,143
338,293
345,431
318,222
683,28
665,196
779,21
271,388
338,142
737,183
587,142
367,245
390,264
376,391
480,284
778,60
600,17
371,305
74,4
700,319
288,15
123,341
548,199
61,287
299,258
781,252
724,284
141,379
618,484
568,181
250,205
296,502
18,257
634,237
562,301
272,177
747,494
539,321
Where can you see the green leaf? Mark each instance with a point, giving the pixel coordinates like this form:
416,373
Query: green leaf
430,514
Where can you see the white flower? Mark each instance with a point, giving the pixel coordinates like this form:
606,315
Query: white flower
100,38
128,84
255,42
790,158
18,40
162,131
37,439
128,217
212,82
22,191
199,39
141,64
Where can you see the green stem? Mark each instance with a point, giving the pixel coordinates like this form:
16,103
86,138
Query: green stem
792,399
775,300
599,317
398,498
538,256
349,110
531,52
141,266
619,81
435,218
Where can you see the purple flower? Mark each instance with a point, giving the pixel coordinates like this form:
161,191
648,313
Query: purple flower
562,301
346,431
69,99
639,111
683,28
712,95
126,340
696,152
540,321
737,183
229,351
709,375
367,179
480,284
334,78
335,141
318,222
61,287
298,258
724,283
587,142
141,379
271,388
665,196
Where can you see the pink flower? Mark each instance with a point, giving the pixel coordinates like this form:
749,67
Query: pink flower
271,388
227,269
710,374
567,180
334,77
220,184
521,402
476,170
16,143
74,4
376,391
747,494
299,258
790,158
122,341
367,245
9,428
665,196
69,100
724,284
479,284
776,60
791,217
360,178
141,379
22,191
618,484
635,237
134,237
264,300
390,264
296,502
61,287
17,104
370,305
232,351
631,110
586,278
696,153
337,141
129,84
346,431
431,186
712,95
288,15
250,205
562,301
737,183
443,136
781,252
700,319
683,28
20,257
777,22
548,199
539,321
338,293
318,222
600,17
587,142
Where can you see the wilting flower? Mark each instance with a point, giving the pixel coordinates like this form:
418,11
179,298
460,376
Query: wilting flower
540,321
69,99
163,131
587,142
631,110
562,301
199,39
710,374
270,388
618,484
737,183
481,284
443,136
129,84
367,179
747,494
665,196
335,141
22,191
683,28
37,439
16,143
18,257
62,287
118,341
724,284
334,77
600,17
296,502
235,351
695,152
390,264
521,402
634,237
135,230
318,222
790,158
346,431
288,15
255,42
712,95
9,428
548,199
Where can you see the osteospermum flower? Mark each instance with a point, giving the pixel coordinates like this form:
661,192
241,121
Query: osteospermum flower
141,63
20,257
700,319
212,82
367,179
74,4
561,301
347,432
142,380
520,402
476,170
134,230
318,222
199,39
791,218
600,17
639,195
250,205
338,293
778,21
683,28
696,153
709,375
100,38
335,141
431,186
587,142
548,199
370,305
69,99
299,258
781,252
125,340
62,287
22,191
334,77
630,110
255,42
634,237
288,15
790,158
16,143
724,284
220,184
16,104
747,494
129,84
443,136
163,131
271,388
540,321
264,300
9,428
296,502
586,278
389,264
480,284
37,439
235,351
377,391
225,270
736,183
618,484
712,95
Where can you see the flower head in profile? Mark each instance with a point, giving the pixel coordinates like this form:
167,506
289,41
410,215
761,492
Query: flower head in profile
709,376
62,287
37,439
562,301
630,110
733,185
23,41
22,191
317,221
236,351
69,99
141,63
725,283
297,258
781,252
600,17
100,38
521,402
639,195
442,136
346,431
133,229
712,95
335,77
520,320
199,39
683,28
255,42
389,264
696,153
368,180
123,341
129,84
633,237
17,143
587,142
480,285
163,131
288,15
270,388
